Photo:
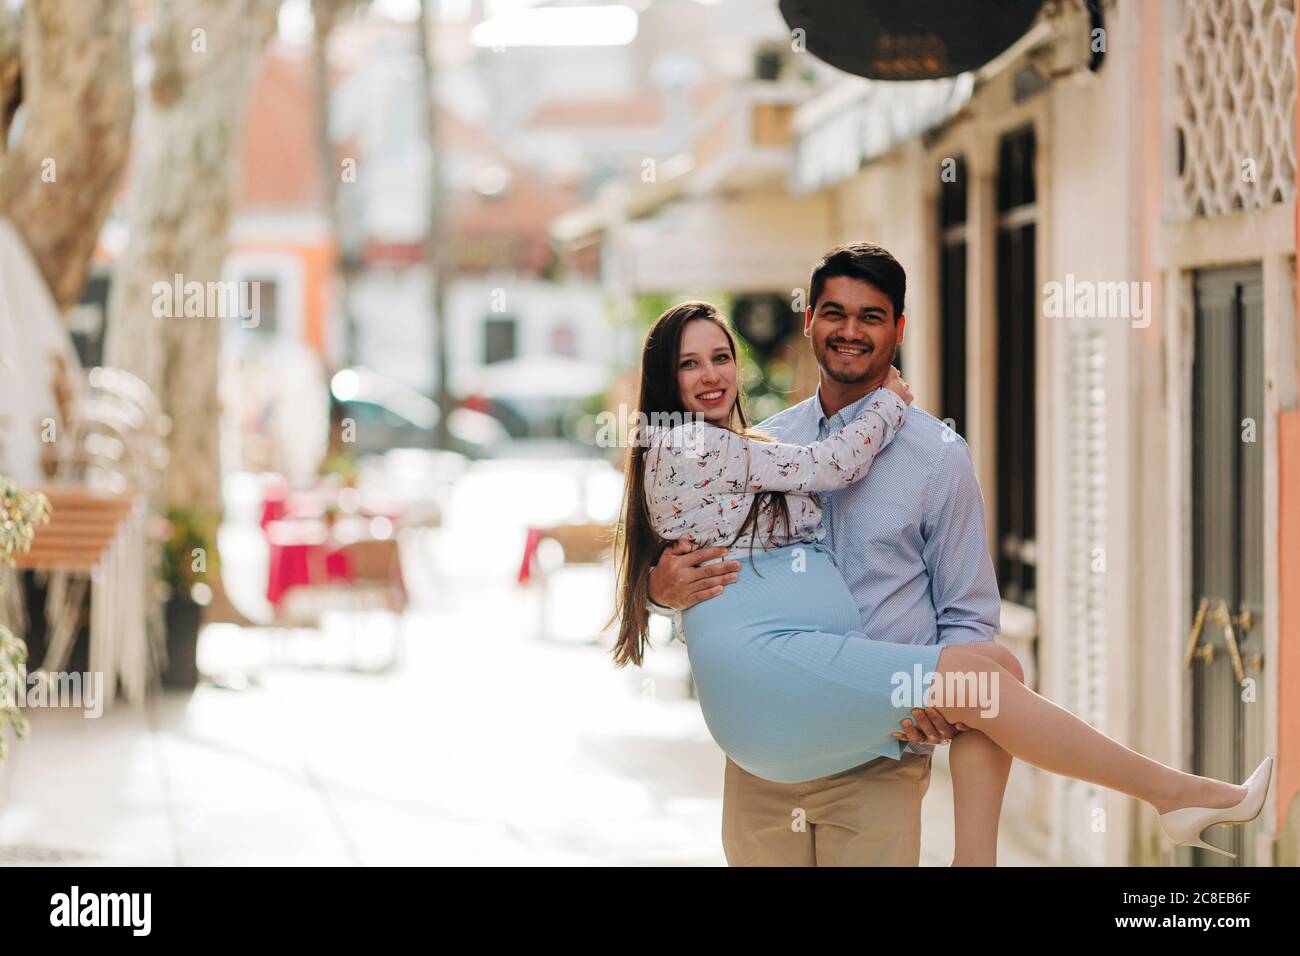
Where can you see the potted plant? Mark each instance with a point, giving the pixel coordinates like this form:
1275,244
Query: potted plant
344,464
20,513
189,558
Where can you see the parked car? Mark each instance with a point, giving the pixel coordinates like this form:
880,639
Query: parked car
385,414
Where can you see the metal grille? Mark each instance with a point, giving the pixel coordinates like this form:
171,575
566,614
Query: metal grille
1085,600
1233,107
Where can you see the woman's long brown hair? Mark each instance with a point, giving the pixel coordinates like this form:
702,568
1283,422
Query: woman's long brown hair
638,546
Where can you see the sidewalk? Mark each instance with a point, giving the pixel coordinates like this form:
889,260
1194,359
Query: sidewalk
486,747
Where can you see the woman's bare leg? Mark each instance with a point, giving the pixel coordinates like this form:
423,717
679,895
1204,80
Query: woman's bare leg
979,778
1041,733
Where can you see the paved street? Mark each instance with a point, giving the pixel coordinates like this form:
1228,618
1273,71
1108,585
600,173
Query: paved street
486,747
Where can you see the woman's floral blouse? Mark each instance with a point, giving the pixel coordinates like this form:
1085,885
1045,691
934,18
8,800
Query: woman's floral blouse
701,480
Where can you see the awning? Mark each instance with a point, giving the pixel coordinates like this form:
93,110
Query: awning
860,120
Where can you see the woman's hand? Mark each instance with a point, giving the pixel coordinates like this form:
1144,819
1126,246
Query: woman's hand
894,382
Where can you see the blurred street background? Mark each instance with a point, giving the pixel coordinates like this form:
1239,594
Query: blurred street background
320,321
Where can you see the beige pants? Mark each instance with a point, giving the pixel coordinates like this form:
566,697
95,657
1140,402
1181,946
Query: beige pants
866,816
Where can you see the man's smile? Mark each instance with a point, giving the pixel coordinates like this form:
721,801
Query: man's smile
844,348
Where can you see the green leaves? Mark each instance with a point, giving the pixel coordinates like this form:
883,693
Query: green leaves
13,673
20,513
189,551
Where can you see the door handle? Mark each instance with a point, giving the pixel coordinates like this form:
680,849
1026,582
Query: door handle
1205,653
1226,620
1245,621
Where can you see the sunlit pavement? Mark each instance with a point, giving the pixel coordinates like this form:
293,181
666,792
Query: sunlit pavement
486,744
487,747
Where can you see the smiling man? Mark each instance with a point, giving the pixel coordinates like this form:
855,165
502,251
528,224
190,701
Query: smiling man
910,542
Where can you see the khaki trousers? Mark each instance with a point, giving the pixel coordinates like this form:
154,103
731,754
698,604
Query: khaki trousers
865,816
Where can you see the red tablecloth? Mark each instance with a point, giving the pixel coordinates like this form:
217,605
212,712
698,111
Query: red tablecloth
310,559
530,552
302,547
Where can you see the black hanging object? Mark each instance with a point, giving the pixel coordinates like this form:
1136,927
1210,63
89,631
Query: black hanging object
908,39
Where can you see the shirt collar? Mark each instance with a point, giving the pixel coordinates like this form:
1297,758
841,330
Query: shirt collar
845,414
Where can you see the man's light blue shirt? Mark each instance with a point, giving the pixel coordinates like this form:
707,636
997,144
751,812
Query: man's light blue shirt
909,538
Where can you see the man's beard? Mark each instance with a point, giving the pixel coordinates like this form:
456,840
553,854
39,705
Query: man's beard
846,377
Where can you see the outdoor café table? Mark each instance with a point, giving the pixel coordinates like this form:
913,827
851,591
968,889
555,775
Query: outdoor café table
583,543
302,552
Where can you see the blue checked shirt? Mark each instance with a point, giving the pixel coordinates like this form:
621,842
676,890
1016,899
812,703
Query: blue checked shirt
909,537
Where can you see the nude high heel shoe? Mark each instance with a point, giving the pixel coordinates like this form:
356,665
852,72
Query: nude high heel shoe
1187,825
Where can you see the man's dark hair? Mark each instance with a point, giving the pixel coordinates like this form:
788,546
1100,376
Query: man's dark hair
866,261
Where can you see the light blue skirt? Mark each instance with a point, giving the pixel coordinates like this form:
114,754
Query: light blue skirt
790,687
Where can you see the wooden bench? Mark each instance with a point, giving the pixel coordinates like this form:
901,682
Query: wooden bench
95,542
83,523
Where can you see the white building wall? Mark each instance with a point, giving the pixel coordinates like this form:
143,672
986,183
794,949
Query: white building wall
396,336
888,204
749,242
540,308
1088,650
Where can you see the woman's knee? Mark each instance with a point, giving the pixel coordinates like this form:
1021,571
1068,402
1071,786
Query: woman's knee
1007,658
978,656
961,665
967,669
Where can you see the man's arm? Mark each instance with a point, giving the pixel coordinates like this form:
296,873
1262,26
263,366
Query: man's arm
962,582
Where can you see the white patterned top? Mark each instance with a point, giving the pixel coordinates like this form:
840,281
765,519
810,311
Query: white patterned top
701,480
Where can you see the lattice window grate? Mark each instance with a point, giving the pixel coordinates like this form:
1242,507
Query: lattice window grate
1234,87
1084,651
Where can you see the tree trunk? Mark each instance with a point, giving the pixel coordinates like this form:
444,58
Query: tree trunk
184,175
74,82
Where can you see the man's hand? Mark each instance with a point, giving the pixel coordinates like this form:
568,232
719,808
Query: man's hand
682,579
928,727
